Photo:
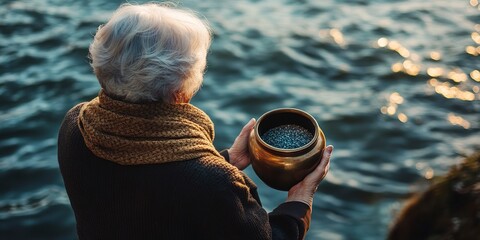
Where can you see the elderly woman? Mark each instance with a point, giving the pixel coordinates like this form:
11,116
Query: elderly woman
138,160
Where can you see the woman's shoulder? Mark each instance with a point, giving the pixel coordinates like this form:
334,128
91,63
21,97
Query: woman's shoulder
72,114
75,110
69,122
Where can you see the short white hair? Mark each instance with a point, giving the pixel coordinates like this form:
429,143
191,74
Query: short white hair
151,52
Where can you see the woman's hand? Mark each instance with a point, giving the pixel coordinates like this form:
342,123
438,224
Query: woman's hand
238,153
305,190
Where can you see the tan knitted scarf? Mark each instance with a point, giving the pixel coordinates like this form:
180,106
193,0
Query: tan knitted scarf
152,133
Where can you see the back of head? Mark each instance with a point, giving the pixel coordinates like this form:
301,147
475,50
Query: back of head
151,52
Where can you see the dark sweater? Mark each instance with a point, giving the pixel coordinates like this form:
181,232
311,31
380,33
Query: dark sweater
195,199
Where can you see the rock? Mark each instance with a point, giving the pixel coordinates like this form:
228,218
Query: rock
449,209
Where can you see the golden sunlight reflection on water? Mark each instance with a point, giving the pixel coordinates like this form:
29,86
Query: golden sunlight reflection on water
336,35
457,75
449,82
435,55
449,91
394,100
435,71
457,120
475,75
474,3
429,173
476,37
474,51
402,117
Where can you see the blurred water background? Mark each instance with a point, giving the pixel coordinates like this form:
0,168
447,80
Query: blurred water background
394,84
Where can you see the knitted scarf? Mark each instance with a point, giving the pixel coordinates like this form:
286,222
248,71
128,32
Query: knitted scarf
151,133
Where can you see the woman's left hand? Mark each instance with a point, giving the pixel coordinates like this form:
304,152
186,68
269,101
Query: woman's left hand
238,153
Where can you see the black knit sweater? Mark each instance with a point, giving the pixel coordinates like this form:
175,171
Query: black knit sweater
195,199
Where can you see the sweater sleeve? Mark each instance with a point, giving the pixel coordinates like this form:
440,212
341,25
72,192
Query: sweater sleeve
290,218
240,215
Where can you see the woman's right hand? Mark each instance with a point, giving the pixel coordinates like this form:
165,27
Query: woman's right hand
305,190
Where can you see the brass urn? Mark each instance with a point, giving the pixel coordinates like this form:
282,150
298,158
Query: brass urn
282,168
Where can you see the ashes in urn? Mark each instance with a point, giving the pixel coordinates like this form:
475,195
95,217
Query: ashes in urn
287,136
285,146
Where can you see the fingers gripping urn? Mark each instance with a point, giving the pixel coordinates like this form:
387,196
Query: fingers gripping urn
285,146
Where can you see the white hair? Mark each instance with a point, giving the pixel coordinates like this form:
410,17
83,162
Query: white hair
151,52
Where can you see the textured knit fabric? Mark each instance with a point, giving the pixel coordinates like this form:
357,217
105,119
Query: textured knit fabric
201,198
130,134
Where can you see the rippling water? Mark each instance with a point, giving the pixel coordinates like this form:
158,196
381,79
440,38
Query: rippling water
393,84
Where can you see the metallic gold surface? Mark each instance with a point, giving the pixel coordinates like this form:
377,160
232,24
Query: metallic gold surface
283,168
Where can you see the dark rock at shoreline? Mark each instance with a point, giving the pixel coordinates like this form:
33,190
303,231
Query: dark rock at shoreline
449,209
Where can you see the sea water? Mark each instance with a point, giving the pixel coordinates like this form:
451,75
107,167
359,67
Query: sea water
393,84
